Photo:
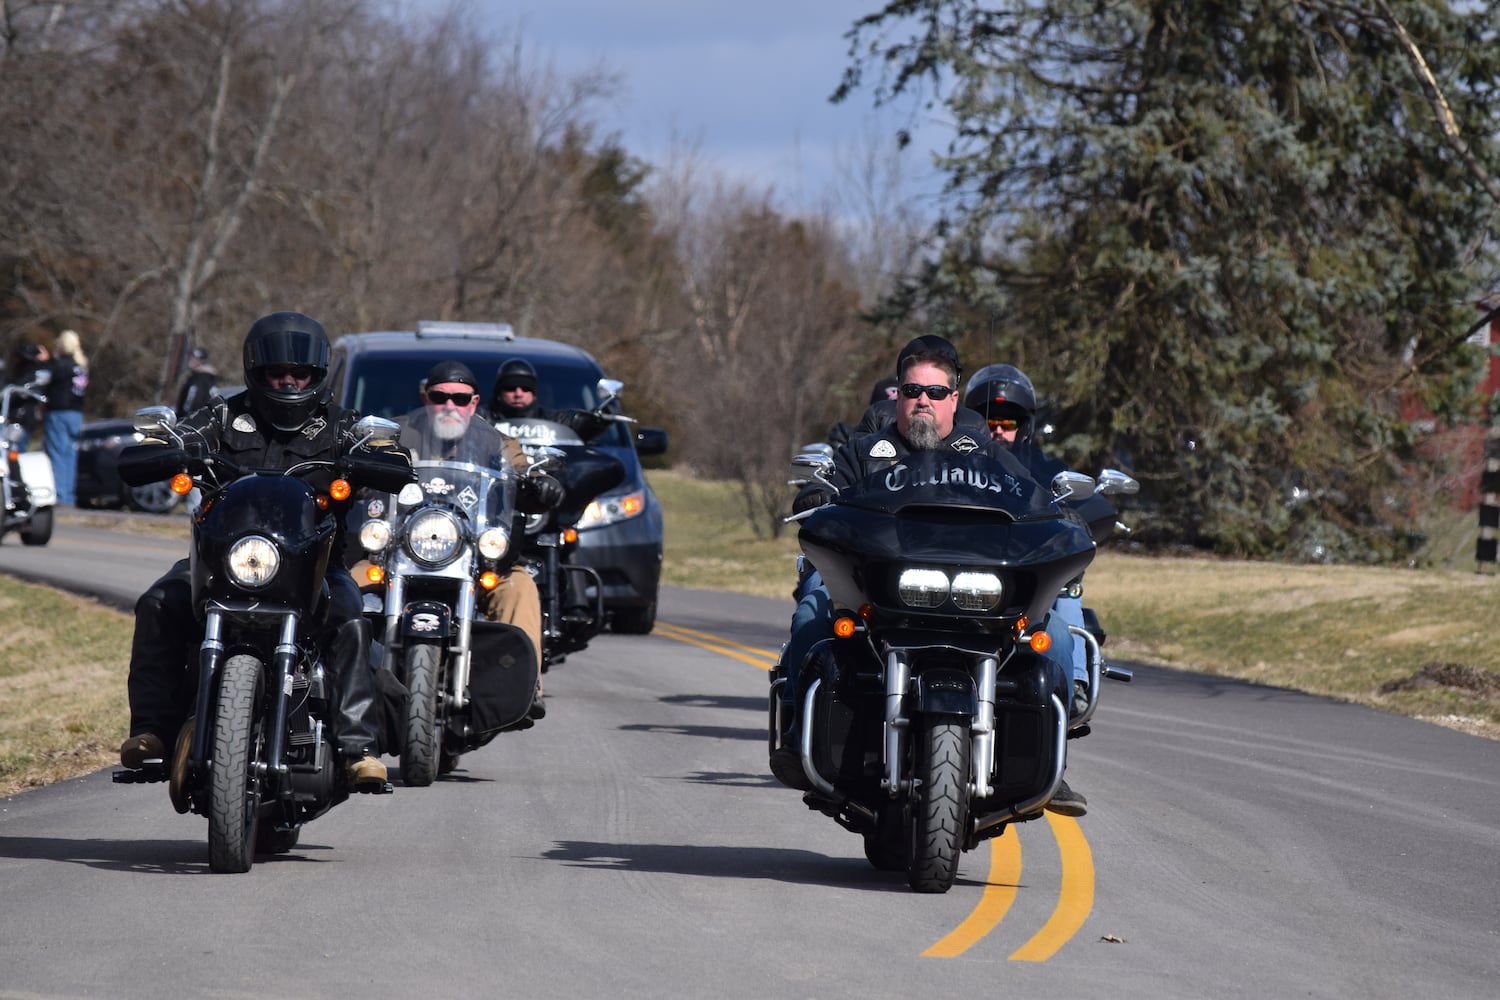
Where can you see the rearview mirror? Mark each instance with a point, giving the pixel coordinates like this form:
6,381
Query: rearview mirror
1072,486
156,421
375,432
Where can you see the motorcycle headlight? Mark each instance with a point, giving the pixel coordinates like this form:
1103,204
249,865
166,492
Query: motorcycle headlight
492,543
253,561
976,591
374,535
922,588
432,537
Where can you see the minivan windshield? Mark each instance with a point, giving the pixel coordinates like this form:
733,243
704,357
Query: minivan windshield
391,386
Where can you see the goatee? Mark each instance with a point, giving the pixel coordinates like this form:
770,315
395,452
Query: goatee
922,433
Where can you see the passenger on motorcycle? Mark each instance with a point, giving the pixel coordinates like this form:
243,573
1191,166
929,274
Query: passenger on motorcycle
928,371
282,419
445,429
514,398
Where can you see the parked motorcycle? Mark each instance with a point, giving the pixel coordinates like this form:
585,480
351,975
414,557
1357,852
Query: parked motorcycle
260,762
27,489
435,545
932,720
572,594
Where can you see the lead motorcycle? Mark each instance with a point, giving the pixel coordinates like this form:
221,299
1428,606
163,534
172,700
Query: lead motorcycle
572,594
261,761
932,720
435,546
27,490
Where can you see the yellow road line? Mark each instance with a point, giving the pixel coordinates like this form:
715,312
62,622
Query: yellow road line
999,893
1075,897
714,644
1075,893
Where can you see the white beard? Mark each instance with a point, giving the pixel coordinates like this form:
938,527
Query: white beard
448,425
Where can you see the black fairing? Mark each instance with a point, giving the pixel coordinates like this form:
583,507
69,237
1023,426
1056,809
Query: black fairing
283,509
951,512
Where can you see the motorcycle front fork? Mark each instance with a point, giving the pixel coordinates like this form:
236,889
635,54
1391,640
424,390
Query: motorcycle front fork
279,679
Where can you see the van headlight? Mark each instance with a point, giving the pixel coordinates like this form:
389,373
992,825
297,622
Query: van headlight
609,510
433,536
922,588
973,591
253,561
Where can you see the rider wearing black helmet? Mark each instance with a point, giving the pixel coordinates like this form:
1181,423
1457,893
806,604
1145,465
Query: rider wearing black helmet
515,398
282,419
1003,394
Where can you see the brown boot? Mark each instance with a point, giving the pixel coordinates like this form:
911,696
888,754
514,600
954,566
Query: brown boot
139,751
367,771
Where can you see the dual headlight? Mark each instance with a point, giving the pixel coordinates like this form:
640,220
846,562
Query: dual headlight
971,590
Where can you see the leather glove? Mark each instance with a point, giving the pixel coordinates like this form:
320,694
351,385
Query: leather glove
539,493
810,497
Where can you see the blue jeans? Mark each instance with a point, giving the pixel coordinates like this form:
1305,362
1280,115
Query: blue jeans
61,429
1069,611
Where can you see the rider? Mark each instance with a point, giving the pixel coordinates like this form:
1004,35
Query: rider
282,419
928,370
444,429
514,398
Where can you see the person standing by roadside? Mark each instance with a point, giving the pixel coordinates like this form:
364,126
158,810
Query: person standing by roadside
64,419
198,385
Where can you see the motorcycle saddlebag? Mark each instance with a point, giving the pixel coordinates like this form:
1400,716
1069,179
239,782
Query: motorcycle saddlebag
502,681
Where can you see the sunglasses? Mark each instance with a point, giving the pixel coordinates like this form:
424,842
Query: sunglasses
438,397
515,388
1005,425
934,392
295,371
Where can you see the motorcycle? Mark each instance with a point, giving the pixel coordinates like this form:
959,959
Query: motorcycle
260,762
572,594
931,720
27,489
434,546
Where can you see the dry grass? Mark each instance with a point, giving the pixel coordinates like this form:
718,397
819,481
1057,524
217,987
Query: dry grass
62,685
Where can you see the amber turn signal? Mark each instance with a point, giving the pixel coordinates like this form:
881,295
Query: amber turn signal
843,626
340,489
570,535
375,574
1041,642
489,579
181,483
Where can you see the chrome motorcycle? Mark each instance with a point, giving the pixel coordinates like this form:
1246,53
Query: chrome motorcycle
27,489
932,720
435,547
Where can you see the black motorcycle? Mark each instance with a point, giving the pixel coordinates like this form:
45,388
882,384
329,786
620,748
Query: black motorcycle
260,762
932,720
572,594
434,547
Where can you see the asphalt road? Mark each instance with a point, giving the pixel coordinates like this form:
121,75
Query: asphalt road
1241,841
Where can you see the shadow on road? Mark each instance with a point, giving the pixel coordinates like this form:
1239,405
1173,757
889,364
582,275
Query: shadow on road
781,865
158,857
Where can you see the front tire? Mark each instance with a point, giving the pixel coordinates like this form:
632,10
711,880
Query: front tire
38,531
939,803
234,778
419,751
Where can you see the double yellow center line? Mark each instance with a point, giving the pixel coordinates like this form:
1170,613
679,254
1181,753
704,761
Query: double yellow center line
1076,886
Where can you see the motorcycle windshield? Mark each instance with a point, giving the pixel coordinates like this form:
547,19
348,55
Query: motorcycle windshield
486,495
446,434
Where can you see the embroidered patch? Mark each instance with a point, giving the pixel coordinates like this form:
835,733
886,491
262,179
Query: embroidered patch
315,428
376,508
883,449
965,444
244,422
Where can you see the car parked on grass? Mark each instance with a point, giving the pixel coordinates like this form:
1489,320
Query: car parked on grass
620,536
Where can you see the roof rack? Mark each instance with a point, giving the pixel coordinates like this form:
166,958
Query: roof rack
445,328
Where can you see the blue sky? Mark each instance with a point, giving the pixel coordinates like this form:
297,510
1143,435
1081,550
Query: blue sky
744,83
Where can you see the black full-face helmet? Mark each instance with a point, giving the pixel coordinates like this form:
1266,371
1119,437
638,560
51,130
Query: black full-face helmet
999,391
291,339
513,372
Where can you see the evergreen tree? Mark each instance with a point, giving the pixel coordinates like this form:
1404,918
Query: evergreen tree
1232,240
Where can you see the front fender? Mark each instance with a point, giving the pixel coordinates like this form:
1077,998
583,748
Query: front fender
946,692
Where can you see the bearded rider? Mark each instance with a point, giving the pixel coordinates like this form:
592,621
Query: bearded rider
928,373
